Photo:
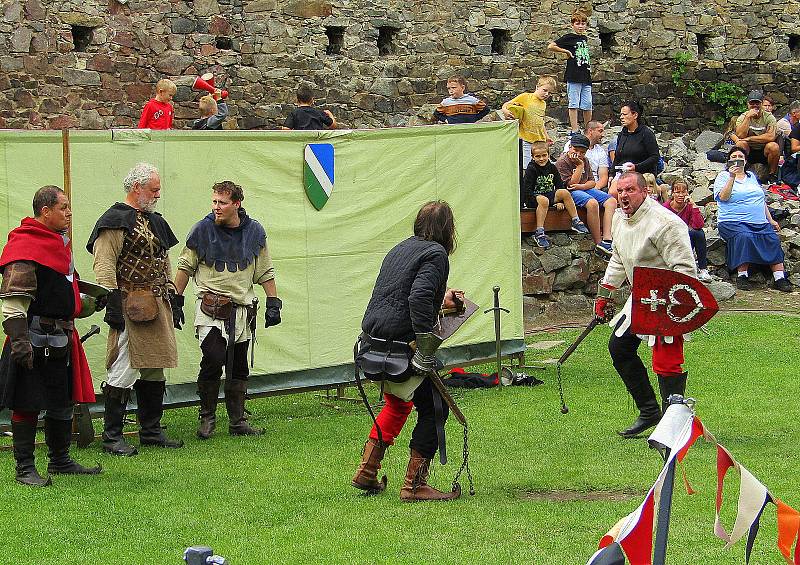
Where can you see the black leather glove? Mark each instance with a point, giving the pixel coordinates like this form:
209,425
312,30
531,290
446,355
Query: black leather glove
114,317
272,315
176,303
100,302
21,350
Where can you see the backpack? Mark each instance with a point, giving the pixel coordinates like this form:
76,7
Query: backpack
783,190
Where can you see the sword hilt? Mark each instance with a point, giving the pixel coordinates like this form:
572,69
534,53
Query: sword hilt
496,307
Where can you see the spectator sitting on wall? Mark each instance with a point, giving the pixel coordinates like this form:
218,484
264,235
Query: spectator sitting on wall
597,154
790,169
158,112
637,148
745,223
681,204
786,123
655,190
576,173
306,116
768,104
459,107
755,132
213,110
543,188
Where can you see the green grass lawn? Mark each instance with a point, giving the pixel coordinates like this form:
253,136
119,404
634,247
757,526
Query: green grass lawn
285,497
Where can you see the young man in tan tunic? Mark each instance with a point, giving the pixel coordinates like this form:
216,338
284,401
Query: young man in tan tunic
130,243
226,254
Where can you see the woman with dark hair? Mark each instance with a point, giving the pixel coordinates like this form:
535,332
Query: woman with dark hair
746,225
637,148
410,291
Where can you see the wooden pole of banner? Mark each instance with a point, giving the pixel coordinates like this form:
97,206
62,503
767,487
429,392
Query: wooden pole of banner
66,161
81,420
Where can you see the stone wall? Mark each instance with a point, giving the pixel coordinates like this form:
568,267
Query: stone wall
93,63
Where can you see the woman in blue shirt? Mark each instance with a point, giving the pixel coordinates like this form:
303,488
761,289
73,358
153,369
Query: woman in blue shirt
746,225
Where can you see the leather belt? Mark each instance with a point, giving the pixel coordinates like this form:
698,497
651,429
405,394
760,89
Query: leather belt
66,325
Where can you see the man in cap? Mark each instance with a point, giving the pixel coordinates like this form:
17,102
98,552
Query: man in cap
755,132
576,172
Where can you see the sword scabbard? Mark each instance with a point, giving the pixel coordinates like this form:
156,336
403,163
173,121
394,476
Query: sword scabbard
451,403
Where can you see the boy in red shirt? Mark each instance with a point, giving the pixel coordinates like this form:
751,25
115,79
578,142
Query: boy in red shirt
158,112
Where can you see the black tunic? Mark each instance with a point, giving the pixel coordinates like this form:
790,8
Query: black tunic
49,383
408,292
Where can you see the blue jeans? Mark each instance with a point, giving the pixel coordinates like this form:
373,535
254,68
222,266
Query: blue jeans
581,197
698,240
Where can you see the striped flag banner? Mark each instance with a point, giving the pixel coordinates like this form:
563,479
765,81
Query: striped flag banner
631,539
318,173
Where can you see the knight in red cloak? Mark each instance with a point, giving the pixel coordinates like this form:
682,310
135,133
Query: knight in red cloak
43,366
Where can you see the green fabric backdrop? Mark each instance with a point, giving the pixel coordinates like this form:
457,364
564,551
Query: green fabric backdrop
326,261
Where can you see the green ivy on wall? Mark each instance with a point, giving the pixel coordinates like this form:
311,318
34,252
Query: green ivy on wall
728,99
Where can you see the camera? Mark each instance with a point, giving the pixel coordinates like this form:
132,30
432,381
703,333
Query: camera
734,163
202,555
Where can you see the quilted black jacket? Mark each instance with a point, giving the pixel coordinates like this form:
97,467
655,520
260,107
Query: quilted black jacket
408,292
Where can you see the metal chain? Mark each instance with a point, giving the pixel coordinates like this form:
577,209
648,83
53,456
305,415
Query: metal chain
560,388
465,466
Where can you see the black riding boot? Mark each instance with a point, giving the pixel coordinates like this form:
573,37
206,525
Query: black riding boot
634,375
58,436
24,441
208,391
235,393
668,385
116,401
149,409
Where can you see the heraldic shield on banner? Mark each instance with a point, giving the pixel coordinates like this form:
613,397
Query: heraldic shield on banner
318,173
668,303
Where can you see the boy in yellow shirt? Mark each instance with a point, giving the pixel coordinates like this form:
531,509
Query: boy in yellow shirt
529,108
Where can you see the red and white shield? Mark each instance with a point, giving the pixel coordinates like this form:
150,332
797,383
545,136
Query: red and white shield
665,302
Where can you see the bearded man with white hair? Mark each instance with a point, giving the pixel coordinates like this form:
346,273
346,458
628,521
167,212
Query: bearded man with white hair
130,242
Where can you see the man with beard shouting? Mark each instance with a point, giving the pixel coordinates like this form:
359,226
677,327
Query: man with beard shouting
130,243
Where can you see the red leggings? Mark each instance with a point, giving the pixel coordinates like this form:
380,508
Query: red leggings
668,357
20,416
392,418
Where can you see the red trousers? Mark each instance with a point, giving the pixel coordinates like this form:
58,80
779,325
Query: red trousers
392,418
668,357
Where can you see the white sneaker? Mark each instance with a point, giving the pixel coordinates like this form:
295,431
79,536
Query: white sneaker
704,276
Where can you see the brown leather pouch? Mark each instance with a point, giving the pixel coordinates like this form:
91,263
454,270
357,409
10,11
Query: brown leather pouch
216,306
140,305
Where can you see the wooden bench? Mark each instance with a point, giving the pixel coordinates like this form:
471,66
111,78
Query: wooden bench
556,220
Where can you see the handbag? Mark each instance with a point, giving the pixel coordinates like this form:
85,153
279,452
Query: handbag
140,305
216,306
49,342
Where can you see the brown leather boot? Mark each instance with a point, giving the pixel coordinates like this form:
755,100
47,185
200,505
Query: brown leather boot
415,486
208,391
235,394
367,474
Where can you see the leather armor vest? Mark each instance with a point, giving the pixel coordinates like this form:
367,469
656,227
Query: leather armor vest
142,263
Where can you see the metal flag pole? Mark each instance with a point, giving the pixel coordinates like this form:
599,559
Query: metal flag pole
665,502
